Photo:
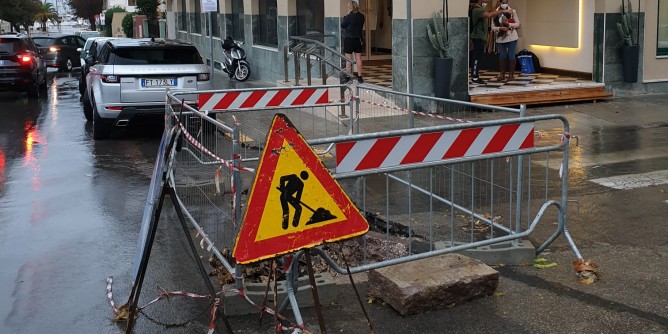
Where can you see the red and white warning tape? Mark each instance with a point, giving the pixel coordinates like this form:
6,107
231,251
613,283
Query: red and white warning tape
416,112
201,147
164,294
110,298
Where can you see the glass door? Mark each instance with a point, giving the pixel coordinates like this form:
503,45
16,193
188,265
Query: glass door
377,29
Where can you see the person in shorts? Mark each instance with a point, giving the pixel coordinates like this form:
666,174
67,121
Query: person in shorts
353,32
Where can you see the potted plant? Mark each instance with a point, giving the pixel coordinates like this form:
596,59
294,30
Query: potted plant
437,32
628,30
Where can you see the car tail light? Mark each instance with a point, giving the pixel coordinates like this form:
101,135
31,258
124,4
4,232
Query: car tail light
25,59
111,78
114,108
54,49
203,77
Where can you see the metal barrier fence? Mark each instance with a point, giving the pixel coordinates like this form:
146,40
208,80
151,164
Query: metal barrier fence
448,188
380,109
425,190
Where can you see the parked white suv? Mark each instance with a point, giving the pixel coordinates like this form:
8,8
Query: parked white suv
127,81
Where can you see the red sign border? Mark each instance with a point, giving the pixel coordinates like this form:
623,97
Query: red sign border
248,250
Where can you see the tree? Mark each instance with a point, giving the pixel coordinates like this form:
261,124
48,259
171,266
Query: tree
86,9
127,25
109,16
19,13
149,8
47,13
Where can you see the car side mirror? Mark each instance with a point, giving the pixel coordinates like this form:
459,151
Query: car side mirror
90,60
79,49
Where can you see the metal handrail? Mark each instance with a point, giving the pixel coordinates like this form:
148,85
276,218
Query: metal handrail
299,48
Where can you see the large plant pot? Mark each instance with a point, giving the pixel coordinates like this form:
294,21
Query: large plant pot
442,77
630,62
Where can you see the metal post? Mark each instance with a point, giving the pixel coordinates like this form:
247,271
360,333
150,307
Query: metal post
211,44
409,60
236,175
520,173
285,61
296,55
309,68
323,67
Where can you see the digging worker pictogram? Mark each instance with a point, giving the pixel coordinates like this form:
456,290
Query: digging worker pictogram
291,187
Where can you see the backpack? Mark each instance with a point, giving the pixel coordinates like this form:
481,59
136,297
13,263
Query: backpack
527,62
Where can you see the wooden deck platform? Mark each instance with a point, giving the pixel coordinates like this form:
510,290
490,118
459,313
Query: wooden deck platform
534,89
542,96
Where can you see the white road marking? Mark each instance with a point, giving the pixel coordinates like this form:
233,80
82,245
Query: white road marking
633,181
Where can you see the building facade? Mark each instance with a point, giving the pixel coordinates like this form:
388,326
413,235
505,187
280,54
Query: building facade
573,36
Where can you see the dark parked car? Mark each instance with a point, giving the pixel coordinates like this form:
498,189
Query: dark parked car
21,66
60,50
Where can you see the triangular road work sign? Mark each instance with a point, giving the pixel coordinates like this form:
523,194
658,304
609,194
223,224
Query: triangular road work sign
295,202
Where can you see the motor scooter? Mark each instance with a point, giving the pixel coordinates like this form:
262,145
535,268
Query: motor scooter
234,62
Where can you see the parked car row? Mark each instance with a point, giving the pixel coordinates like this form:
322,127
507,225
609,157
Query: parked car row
125,80
122,80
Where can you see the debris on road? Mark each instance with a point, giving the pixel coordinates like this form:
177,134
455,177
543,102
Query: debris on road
587,271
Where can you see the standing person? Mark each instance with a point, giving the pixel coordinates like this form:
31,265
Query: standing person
505,26
353,25
478,15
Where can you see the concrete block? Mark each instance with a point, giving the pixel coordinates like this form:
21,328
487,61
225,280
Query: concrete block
432,283
511,252
237,305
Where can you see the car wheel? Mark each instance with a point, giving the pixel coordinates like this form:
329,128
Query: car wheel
43,87
67,66
100,130
87,107
33,91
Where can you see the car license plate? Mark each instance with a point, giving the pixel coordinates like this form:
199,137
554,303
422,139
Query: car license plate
158,82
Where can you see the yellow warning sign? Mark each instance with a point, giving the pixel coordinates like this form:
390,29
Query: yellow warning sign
294,202
292,176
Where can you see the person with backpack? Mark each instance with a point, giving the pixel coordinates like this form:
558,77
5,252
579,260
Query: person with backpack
478,27
505,27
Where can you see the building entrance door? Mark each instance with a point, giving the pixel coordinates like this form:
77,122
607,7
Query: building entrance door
377,29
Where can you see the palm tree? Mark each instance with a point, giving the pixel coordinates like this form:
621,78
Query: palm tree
47,13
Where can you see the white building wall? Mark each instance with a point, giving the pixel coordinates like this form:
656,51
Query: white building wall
121,3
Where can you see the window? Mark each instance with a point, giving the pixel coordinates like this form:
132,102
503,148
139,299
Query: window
197,29
132,3
215,27
237,19
156,56
266,32
662,29
310,17
184,16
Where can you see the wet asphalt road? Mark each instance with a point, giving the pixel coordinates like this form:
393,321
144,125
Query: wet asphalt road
70,210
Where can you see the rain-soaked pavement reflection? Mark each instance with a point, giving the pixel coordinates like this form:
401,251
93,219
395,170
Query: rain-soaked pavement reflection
68,211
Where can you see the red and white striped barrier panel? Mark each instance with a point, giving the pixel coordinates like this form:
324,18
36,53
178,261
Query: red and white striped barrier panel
421,148
260,99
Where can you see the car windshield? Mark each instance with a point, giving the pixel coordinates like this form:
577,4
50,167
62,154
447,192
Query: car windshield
43,41
8,45
146,56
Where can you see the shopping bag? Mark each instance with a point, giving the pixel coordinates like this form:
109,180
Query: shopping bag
526,64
